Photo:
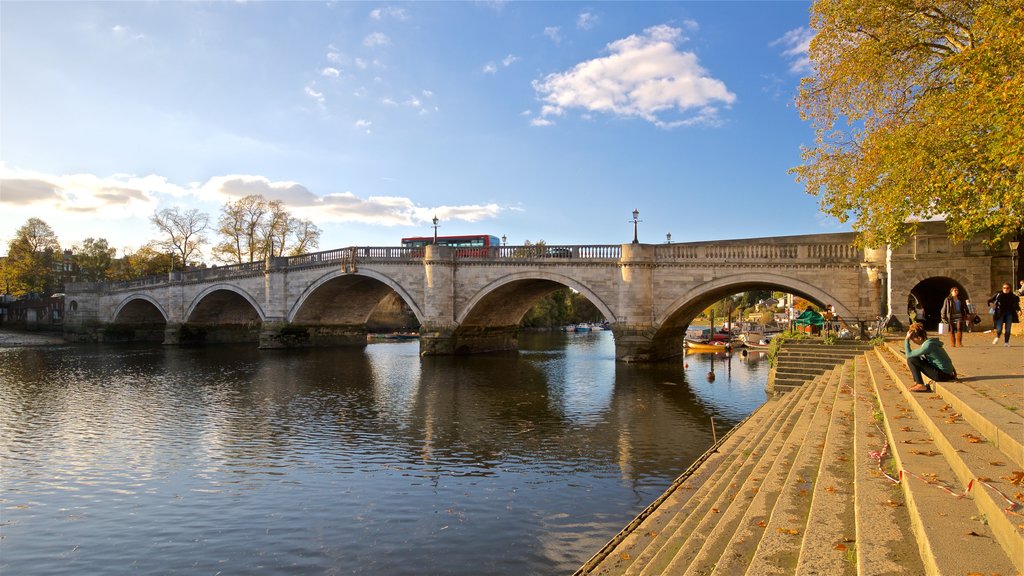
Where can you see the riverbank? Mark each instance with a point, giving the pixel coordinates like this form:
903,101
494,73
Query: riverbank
851,474
16,338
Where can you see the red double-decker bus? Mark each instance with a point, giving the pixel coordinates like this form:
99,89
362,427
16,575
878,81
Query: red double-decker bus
472,245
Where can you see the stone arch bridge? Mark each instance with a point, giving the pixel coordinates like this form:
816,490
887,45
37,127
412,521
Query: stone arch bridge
472,301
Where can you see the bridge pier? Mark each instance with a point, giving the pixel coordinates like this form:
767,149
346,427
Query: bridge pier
471,340
283,335
646,344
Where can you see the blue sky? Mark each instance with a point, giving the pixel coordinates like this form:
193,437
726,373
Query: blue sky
536,120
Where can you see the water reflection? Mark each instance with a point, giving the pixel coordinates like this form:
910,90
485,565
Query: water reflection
165,459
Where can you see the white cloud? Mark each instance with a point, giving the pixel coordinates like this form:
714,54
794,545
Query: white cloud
87,203
330,72
312,93
107,198
125,32
554,33
796,43
389,12
644,76
492,68
343,206
586,20
376,39
363,125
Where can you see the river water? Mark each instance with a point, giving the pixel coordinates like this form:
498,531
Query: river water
233,460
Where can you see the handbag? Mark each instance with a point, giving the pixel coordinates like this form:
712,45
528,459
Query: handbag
977,319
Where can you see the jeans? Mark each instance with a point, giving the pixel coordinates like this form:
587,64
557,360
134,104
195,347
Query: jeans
1006,320
918,364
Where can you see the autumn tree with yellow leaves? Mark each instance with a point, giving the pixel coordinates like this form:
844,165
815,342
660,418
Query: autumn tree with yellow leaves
918,110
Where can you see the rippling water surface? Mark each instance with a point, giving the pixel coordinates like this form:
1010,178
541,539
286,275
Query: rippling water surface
233,460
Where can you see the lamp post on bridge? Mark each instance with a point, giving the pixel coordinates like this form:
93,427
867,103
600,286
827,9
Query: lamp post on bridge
435,229
504,240
668,238
1013,259
636,216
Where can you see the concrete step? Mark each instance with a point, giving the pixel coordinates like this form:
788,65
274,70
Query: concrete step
882,520
698,520
754,496
768,538
956,455
778,548
1003,428
689,490
829,541
668,543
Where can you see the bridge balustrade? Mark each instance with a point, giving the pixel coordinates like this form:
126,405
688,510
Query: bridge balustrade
747,252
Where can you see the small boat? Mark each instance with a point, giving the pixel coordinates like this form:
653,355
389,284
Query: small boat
705,346
583,327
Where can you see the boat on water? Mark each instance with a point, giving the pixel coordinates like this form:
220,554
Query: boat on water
583,327
711,346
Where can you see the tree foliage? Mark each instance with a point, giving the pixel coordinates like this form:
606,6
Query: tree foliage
917,109
183,233
252,228
94,259
32,256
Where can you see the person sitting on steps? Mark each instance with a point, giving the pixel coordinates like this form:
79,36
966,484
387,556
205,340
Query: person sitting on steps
928,358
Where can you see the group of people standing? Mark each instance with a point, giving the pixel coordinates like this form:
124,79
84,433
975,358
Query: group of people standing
958,314
928,358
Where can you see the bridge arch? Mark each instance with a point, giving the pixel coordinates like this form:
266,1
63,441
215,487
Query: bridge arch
300,302
202,296
525,288
132,301
726,285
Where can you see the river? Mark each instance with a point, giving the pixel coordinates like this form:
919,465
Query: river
233,460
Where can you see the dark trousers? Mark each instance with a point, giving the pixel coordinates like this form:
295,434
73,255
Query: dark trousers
1003,325
919,365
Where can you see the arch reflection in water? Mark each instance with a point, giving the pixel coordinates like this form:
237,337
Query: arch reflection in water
163,459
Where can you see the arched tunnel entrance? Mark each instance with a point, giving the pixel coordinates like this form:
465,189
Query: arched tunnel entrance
926,298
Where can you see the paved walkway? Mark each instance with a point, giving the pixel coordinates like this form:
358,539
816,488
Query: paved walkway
992,370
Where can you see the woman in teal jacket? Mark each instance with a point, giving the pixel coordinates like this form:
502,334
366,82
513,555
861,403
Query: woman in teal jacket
928,358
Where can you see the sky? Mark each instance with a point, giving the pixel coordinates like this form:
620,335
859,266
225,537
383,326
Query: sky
538,121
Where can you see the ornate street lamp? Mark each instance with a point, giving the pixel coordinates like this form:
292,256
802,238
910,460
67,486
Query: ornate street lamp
435,229
1013,255
668,238
504,240
636,216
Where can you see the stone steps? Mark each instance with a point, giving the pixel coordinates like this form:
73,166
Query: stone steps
693,492
850,474
945,453
800,360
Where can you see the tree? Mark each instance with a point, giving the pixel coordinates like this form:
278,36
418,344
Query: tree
932,96
149,260
31,257
252,227
94,259
239,226
183,232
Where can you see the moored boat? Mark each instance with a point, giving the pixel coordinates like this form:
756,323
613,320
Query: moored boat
705,346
